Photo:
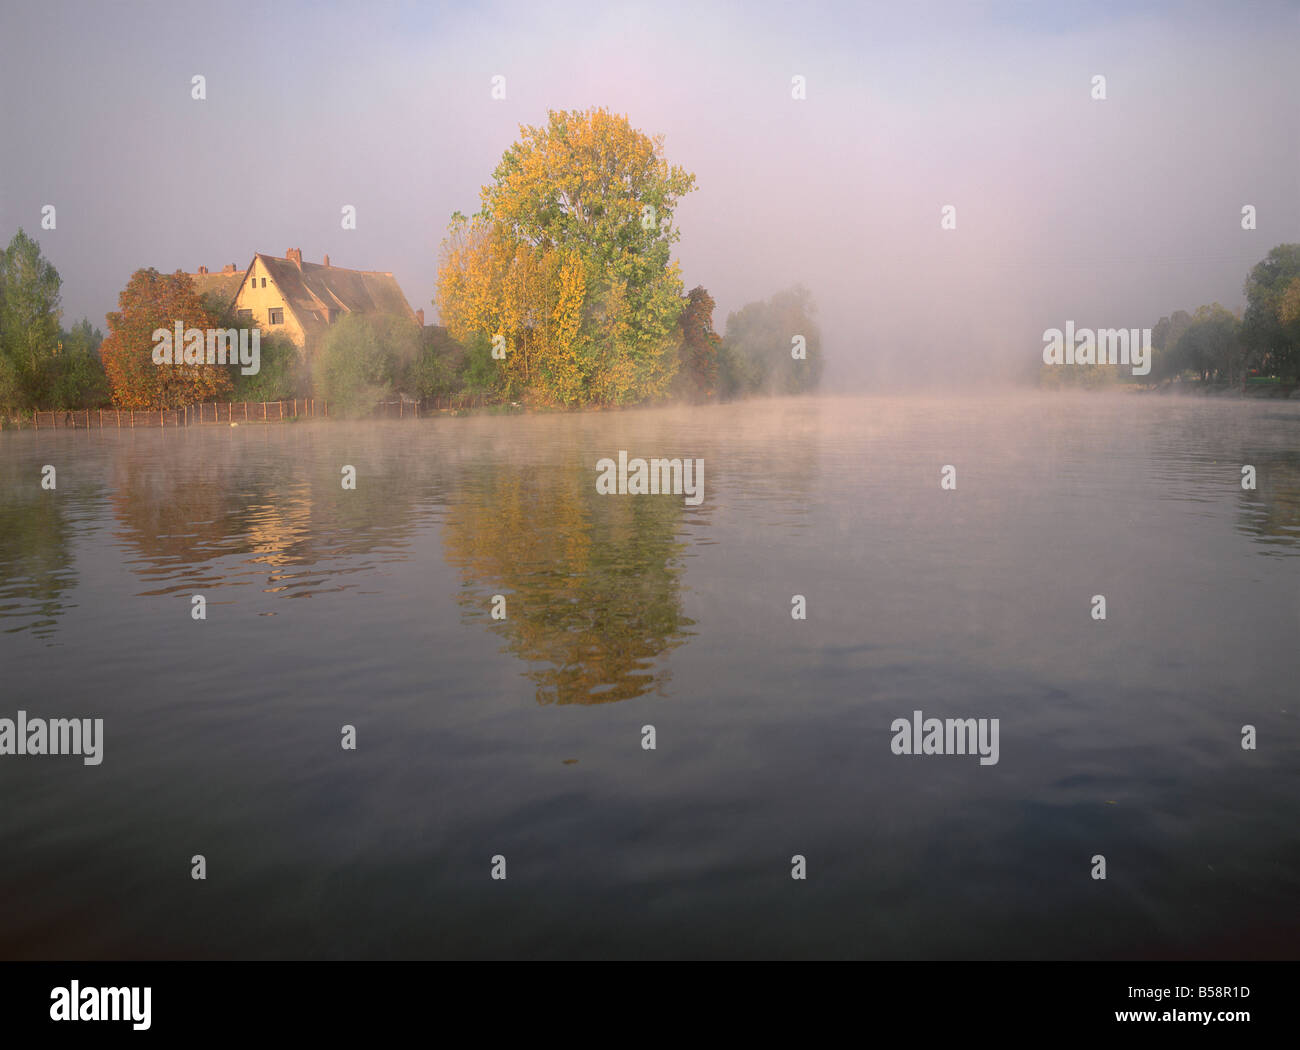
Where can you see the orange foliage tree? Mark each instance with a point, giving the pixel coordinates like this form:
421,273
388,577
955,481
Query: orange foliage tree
150,301
697,376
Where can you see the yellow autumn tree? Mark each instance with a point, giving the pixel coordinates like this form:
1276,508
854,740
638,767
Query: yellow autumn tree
568,261
529,295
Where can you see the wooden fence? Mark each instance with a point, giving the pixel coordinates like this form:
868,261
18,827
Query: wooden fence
228,412
426,405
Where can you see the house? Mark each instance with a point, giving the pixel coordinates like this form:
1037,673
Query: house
301,300
219,287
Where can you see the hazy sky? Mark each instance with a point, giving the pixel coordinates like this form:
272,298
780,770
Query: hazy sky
1105,213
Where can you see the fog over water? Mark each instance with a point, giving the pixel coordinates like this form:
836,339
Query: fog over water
1107,213
523,737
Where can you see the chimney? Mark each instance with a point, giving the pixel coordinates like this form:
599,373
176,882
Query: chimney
203,269
294,255
229,268
419,316
327,262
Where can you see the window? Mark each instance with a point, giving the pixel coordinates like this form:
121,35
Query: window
263,282
245,316
277,316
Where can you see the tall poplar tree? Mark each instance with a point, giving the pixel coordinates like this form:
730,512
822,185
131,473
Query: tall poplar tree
569,261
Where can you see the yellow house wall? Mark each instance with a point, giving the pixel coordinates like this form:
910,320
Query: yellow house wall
252,296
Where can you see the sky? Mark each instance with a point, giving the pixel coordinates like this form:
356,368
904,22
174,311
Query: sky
1107,213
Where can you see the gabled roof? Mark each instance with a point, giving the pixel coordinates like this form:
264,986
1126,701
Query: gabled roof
222,287
316,293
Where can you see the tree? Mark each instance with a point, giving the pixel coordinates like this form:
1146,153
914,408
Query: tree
1271,324
83,337
479,373
1211,345
528,297
281,373
153,301
435,370
569,262
29,320
1164,338
11,387
697,369
1289,305
360,359
74,374
761,343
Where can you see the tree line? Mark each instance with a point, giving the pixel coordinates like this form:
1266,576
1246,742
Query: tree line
1216,345
43,364
561,290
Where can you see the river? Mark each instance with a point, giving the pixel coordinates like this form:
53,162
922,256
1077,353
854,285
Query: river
519,742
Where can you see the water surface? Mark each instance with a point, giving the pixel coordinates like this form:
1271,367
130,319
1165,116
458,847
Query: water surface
522,737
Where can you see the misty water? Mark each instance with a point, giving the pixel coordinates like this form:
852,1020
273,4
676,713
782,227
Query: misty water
523,738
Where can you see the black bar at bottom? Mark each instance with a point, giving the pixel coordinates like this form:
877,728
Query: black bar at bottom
335,999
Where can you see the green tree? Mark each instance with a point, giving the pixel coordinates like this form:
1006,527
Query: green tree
29,320
1211,345
435,370
360,360
1164,339
281,374
479,373
761,341
1270,327
11,387
74,374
